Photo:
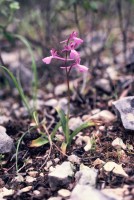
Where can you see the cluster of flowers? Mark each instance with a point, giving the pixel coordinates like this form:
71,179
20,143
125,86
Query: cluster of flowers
71,44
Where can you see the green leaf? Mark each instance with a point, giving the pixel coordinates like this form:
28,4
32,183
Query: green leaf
35,116
63,119
39,142
20,90
94,5
14,5
80,128
55,130
43,139
64,123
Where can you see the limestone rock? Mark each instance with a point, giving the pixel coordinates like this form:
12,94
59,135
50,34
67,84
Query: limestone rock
64,193
61,175
118,143
104,116
4,192
125,109
6,142
115,168
86,176
85,192
75,123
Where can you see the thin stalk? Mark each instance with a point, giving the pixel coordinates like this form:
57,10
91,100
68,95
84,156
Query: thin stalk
68,93
68,85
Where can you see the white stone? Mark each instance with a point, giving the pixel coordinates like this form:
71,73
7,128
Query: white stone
115,168
75,123
25,189
64,193
33,173
85,192
74,159
88,142
5,192
61,175
104,116
6,142
51,102
125,109
19,178
30,179
118,143
55,198
86,176
36,192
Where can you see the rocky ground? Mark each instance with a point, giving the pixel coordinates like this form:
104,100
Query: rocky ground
98,165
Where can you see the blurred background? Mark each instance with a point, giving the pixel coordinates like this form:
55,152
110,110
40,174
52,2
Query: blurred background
107,28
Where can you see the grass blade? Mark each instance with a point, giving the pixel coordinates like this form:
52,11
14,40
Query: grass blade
20,90
34,68
55,130
80,128
64,123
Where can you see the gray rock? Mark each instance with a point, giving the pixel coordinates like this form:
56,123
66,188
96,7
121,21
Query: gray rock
85,192
6,142
104,85
74,123
86,176
125,109
61,175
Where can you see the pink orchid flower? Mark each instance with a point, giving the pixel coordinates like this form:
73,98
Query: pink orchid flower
76,41
74,55
71,44
82,68
54,54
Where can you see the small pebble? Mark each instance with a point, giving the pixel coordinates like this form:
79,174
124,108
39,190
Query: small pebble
19,178
26,189
33,173
102,128
74,159
55,198
30,179
36,192
64,193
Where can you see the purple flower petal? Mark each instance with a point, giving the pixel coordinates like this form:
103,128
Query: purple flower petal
47,60
82,68
74,55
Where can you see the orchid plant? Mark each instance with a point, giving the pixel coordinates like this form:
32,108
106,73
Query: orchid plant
69,55
70,59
